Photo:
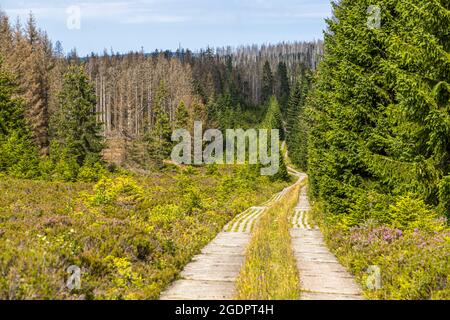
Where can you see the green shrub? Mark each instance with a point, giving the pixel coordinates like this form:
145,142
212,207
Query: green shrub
212,169
192,199
92,172
116,190
66,169
18,157
46,168
123,273
165,216
410,213
189,170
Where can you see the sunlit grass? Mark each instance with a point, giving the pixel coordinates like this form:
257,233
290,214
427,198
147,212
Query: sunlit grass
270,271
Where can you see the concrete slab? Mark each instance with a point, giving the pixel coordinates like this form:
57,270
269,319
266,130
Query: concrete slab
322,277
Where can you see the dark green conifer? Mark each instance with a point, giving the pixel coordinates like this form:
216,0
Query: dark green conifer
78,133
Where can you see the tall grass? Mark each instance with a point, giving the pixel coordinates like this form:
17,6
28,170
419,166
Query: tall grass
270,272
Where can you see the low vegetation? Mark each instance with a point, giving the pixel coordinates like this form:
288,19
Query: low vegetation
270,271
412,251
129,234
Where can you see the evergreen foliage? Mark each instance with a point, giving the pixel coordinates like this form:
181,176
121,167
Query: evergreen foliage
293,106
297,122
380,108
273,120
160,134
282,174
18,155
283,86
78,133
181,117
267,86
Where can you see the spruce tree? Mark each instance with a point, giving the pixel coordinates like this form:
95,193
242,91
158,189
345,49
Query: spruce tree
282,173
181,117
273,118
293,105
78,134
18,154
35,67
283,87
6,37
160,134
297,122
379,111
267,87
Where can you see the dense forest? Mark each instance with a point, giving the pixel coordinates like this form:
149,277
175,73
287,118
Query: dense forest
379,112
137,97
379,149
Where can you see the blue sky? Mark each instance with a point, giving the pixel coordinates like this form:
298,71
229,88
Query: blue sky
164,24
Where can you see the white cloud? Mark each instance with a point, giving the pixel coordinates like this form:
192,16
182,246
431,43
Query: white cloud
39,12
143,19
178,11
127,12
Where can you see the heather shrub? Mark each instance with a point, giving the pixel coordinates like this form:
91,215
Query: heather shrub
410,245
413,265
129,234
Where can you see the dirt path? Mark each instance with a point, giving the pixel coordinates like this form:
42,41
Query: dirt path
212,274
322,277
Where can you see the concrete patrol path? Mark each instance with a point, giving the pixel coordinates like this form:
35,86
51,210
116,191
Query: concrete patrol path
212,274
322,277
